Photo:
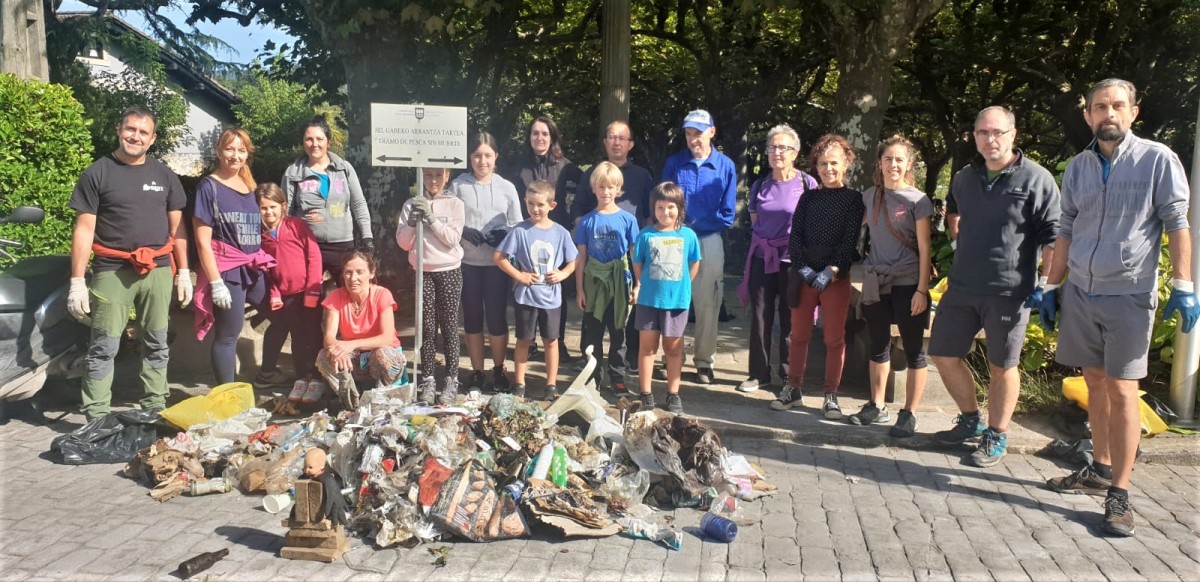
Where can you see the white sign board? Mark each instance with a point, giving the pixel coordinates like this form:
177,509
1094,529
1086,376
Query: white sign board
418,136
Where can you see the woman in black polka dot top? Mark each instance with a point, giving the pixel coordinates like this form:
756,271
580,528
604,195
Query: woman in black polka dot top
822,245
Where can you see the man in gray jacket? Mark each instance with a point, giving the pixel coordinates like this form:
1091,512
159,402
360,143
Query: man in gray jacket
1119,196
1000,210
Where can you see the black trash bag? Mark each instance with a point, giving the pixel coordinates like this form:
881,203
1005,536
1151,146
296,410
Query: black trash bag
114,438
1161,409
1077,453
1072,421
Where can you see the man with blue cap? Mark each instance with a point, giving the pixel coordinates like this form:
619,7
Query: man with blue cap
709,181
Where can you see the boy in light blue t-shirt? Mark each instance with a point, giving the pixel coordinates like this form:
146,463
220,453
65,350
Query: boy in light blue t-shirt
605,237
666,258
538,255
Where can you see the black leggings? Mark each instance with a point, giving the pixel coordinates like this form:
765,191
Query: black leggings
896,308
485,296
228,323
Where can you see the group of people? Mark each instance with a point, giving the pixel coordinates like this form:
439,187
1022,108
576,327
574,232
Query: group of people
644,254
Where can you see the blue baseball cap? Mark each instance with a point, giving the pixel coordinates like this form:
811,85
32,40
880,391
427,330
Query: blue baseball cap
698,120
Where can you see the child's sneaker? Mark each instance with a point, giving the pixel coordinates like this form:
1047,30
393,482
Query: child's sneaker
298,390
499,380
674,403
449,393
870,414
313,392
647,401
789,397
618,387
518,390
906,425
551,394
427,393
992,447
831,409
475,382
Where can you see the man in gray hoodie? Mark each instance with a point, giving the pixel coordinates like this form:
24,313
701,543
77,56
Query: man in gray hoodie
1119,195
1001,210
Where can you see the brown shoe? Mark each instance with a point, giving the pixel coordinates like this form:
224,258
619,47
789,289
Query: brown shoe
1085,481
1118,516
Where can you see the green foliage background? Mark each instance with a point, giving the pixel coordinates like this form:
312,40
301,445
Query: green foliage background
44,145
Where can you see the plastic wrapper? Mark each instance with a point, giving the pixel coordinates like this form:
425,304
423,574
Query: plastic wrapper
469,506
221,436
625,489
448,443
639,529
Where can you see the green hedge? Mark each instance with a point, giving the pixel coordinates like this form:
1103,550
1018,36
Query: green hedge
44,145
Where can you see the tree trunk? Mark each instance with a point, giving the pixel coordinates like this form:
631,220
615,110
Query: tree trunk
614,67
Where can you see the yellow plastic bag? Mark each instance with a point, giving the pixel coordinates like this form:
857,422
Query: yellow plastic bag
936,292
224,401
1075,389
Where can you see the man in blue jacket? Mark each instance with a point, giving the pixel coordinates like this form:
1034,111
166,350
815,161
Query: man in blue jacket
1119,195
709,180
1001,209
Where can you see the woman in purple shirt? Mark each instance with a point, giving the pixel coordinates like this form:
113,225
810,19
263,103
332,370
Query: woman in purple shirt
773,198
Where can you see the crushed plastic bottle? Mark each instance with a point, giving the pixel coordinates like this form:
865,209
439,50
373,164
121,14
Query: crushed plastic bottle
558,466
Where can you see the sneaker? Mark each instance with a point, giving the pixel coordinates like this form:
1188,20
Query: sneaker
830,409
1085,481
427,391
748,385
551,394
647,401
870,414
788,397
449,394
313,392
475,382
966,427
618,387
634,391
660,373
1118,516
500,380
298,390
271,377
518,390
906,425
704,376
674,403
992,447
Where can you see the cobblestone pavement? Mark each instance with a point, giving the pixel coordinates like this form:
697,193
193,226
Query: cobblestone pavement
840,513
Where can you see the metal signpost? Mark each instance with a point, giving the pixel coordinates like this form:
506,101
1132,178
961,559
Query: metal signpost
418,136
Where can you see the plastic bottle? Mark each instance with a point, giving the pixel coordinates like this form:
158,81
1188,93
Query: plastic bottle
542,467
718,527
558,466
215,485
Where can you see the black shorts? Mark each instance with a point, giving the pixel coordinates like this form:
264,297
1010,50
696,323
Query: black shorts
530,318
485,294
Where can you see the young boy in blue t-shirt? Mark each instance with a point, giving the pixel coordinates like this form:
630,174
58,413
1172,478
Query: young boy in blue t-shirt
605,237
539,256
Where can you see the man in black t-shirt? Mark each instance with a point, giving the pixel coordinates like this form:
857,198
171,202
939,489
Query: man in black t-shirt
129,209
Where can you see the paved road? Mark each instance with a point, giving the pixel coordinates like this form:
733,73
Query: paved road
840,513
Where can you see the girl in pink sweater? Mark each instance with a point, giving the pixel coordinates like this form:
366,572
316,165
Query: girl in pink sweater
443,215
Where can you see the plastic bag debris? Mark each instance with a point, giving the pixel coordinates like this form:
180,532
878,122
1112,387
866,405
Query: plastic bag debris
639,529
624,489
222,402
470,507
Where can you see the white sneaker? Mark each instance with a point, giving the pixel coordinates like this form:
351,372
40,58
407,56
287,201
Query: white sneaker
313,392
748,385
298,390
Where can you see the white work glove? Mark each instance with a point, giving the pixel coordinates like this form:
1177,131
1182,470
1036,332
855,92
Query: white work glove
220,295
78,302
183,287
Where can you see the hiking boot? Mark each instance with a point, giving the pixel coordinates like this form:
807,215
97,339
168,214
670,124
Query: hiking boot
518,390
271,377
1118,516
966,427
748,385
674,403
830,409
1085,481
789,397
704,376
906,425
499,380
476,381
551,394
870,414
647,401
992,447
449,394
427,392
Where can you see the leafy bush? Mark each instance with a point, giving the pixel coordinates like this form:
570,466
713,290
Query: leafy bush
272,112
44,146
107,95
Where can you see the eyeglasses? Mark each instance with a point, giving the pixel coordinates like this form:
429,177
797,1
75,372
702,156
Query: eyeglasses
782,149
995,134
617,138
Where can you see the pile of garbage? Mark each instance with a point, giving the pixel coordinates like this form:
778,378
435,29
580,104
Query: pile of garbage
488,468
